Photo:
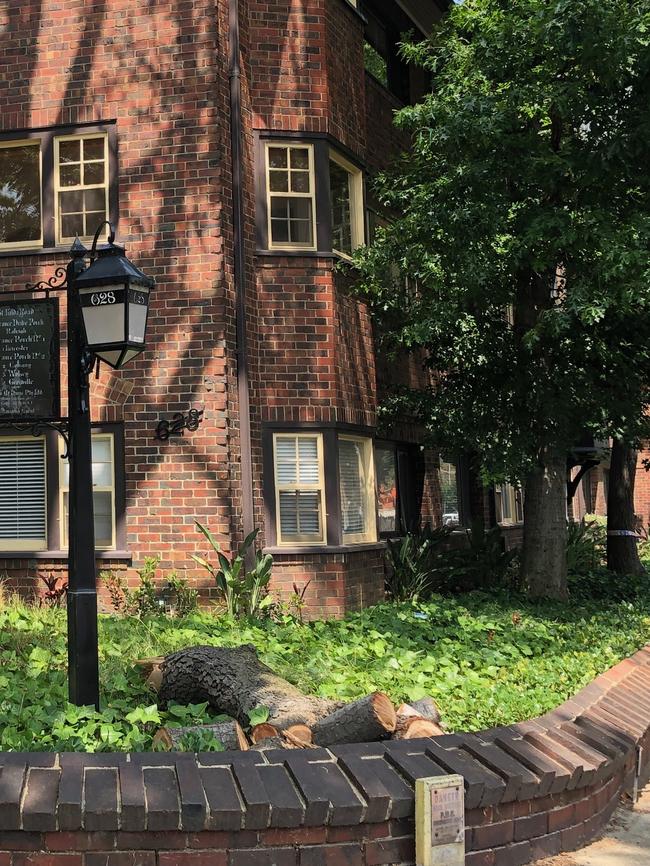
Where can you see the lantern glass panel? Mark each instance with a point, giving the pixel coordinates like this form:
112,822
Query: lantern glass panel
103,310
138,305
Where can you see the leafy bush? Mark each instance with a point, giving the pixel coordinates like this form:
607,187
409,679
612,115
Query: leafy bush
486,658
186,598
586,543
434,560
144,599
244,592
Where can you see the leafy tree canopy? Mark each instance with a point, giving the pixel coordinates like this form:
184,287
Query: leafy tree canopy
518,255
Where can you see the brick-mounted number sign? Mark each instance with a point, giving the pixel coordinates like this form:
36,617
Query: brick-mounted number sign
440,821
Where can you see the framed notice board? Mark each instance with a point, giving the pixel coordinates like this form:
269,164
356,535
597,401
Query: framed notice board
29,360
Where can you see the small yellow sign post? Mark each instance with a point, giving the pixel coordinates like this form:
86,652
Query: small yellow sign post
440,821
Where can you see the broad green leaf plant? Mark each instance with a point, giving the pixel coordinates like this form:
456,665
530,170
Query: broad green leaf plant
243,591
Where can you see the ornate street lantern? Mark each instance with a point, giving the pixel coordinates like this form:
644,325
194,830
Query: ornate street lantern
114,298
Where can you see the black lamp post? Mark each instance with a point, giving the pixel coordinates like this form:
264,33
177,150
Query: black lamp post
107,315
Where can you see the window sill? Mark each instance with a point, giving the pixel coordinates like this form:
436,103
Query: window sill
34,251
124,555
301,254
325,548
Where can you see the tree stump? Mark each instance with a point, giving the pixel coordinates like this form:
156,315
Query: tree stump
370,718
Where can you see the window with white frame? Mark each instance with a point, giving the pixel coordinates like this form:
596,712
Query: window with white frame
357,490
299,488
20,194
23,498
80,185
509,502
103,474
346,200
290,190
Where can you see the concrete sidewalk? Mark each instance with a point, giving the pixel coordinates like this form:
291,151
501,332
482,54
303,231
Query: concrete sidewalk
626,841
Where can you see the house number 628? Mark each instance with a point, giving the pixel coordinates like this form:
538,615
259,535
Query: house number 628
98,299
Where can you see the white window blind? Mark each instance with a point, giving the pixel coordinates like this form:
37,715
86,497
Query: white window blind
299,488
23,507
356,481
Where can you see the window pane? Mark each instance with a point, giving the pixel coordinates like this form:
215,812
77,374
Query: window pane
280,207
308,460
277,157
449,493
286,460
386,472
93,148
71,226
102,463
94,172
103,511
299,157
69,151
299,181
288,513
93,221
279,231
375,64
309,513
22,481
300,232
95,199
20,194
340,199
279,181
353,505
70,175
71,202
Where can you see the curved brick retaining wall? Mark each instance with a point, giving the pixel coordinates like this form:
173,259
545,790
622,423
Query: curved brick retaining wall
532,789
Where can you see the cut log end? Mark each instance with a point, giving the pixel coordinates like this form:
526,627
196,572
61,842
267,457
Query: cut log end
263,732
370,718
415,728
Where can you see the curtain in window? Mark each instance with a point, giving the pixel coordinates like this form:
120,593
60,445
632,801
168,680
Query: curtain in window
352,483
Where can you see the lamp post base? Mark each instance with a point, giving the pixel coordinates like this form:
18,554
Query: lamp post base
83,667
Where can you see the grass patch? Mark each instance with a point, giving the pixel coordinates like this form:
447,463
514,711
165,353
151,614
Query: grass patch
487,659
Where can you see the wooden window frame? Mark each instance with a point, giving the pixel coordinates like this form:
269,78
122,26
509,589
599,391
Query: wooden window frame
63,489
298,540
311,195
30,544
5,144
515,503
369,535
60,239
46,137
355,192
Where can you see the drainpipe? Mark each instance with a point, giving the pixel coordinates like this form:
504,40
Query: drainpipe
236,131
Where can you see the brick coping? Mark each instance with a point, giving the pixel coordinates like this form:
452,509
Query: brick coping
534,788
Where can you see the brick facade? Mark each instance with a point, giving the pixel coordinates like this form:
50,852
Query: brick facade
157,76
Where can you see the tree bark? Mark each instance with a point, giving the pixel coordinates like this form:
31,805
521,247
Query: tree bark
370,718
622,549
229,734
544,562
234,681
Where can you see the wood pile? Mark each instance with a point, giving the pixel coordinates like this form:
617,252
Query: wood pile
234,682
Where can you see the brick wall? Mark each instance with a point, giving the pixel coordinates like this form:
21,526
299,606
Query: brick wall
531,790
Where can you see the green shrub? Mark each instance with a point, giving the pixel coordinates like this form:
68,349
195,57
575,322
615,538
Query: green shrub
243,591
412,562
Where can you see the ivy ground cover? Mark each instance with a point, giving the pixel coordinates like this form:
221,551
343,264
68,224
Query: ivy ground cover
487,659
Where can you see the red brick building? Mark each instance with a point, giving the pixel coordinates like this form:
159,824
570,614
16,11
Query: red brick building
240,180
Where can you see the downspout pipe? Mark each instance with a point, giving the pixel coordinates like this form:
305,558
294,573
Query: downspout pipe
241,353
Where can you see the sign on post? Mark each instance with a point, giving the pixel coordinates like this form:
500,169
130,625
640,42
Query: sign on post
440,821
29,361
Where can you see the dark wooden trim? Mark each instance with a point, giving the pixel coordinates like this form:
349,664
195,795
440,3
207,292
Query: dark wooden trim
355,11
332,495
52,478
323,202
62,129
268,489
326,549
301,426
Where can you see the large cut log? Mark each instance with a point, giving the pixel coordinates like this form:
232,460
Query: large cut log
370,718
234,681
263,731
229,734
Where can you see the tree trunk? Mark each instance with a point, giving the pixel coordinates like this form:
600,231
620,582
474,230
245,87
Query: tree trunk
234,681
622,551
544,562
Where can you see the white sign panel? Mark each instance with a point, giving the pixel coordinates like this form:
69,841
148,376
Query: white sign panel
440,821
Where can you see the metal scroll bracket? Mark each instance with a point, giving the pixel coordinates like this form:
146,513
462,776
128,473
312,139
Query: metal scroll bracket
38,427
